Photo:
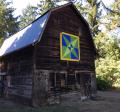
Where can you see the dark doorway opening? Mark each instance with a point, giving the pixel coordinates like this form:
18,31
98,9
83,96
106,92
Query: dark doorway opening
2,85
63,82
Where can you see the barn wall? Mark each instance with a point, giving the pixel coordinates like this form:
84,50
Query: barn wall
48,50
47,53
19,75
40,87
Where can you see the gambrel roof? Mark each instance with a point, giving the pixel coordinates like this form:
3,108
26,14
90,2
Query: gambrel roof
33,33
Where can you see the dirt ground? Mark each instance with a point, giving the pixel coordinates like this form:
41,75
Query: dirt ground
107,101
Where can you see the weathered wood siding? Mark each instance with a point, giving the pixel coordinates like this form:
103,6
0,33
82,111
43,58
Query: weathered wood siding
48,49
19,74
47,52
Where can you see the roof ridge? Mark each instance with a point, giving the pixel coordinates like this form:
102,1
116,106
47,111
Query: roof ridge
52,9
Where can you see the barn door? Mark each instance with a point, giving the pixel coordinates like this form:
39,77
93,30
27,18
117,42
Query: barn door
57,81
1,86
71,82
84,82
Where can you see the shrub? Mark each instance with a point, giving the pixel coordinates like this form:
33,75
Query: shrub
102,84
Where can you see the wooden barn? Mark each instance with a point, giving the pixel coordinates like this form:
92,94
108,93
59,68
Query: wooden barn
53,55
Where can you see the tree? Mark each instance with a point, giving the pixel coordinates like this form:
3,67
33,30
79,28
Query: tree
90,9
29,14
45,5
108,64
113,15
108,45
8,23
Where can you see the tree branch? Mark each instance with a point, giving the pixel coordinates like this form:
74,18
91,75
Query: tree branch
108,9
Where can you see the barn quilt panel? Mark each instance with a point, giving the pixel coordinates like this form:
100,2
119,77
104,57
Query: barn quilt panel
69,47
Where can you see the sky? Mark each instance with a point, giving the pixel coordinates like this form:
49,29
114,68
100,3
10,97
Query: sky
19,5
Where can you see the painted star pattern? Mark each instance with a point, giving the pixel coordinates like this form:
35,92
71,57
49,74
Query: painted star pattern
70,47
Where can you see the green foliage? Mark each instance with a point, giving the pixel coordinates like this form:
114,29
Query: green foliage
108,69
102,84
108,46
8,23
29,14
108,64
1,41
92,12
113,15
45,5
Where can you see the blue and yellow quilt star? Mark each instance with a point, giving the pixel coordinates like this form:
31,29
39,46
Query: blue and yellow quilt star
69,47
